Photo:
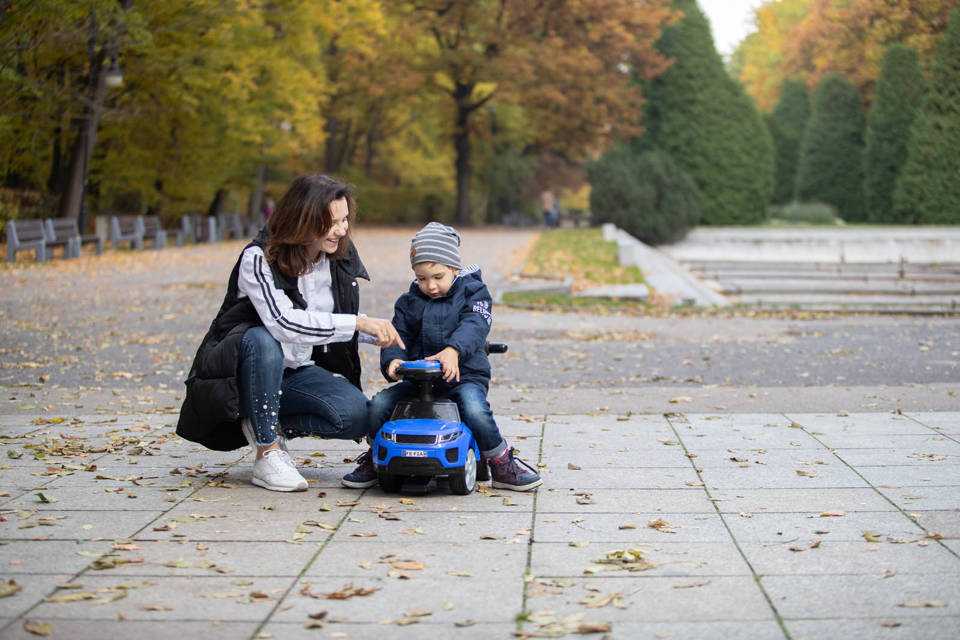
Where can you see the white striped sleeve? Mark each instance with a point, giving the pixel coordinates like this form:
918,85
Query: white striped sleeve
285,322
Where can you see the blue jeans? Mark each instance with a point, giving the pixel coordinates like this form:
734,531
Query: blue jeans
471,399
309,401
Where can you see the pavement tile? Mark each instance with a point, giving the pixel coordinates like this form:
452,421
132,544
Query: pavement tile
803,474
169,598
654,599
699,630
33,589
759,438
112,497
799,500
853,596
212,558
241,496
801,527
607,528
858,424
623,501
425,630
220,522
132,476
634,424
946,523
668,478
931,454
622,456
48,556
482,560
923,498
23,478
893,627
76,525
942,475
436,527
796,558
140,629
944,421
488,500
559,559
512,426
883,441
447,599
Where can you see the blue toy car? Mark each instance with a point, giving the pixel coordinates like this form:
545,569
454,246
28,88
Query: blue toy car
425,439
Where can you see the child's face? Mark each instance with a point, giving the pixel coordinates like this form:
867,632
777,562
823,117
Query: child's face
434,279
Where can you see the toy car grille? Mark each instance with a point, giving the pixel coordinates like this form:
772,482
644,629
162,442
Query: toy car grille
407,438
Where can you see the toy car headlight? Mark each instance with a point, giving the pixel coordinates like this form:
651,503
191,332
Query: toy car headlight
389,435
450,436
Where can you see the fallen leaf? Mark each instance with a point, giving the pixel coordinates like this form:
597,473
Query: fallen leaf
661,525
573,467
870,536
38,628
832,514
9,588
598,601
349,591
627,525
691,585
679,399
806,474
923,604
407,565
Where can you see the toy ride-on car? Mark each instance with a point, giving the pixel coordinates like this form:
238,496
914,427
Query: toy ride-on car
425,439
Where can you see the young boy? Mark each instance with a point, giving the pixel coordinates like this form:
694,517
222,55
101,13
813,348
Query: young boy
446,316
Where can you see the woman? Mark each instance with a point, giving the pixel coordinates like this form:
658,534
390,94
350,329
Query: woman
280,359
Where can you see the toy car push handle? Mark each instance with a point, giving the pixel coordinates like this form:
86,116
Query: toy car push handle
425,372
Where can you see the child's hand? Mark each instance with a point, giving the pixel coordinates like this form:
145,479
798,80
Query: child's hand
392,369
449,361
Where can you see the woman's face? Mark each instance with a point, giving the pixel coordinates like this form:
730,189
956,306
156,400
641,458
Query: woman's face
329,243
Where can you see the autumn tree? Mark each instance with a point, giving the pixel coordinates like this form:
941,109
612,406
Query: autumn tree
787,122
811,38
702,118
899,94
928,190
569,65
830,168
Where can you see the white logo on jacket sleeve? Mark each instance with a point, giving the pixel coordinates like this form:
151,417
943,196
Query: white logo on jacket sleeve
483,308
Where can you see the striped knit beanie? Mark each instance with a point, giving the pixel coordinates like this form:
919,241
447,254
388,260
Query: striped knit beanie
436,243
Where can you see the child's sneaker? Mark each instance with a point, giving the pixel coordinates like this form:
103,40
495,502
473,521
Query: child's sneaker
365,475
275,471
510,472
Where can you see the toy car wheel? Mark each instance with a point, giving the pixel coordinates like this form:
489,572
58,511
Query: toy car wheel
389,483
464,482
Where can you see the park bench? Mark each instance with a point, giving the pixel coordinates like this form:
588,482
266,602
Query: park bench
152,229
126,229
195,227
28,234
65,231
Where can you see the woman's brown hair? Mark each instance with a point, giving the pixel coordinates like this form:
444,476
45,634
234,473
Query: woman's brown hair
302,215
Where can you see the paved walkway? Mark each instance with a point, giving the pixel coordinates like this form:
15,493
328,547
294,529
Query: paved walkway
690,492
685,526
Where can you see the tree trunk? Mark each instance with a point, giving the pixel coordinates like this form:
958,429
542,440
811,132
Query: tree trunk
71,201
218,203
461,145
255,203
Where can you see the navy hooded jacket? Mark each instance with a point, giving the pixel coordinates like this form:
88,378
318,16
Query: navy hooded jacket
461,319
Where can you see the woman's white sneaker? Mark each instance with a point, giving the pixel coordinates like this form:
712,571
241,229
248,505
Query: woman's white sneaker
275,471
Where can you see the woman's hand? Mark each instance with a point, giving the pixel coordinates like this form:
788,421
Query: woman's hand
392,369
449,360
384,332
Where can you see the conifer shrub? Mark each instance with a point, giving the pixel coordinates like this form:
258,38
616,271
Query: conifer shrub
830,167
928,189
787,122
898,96
648,195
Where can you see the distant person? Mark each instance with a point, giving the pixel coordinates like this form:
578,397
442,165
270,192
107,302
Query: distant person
280,358
267,207
548,204
445,316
